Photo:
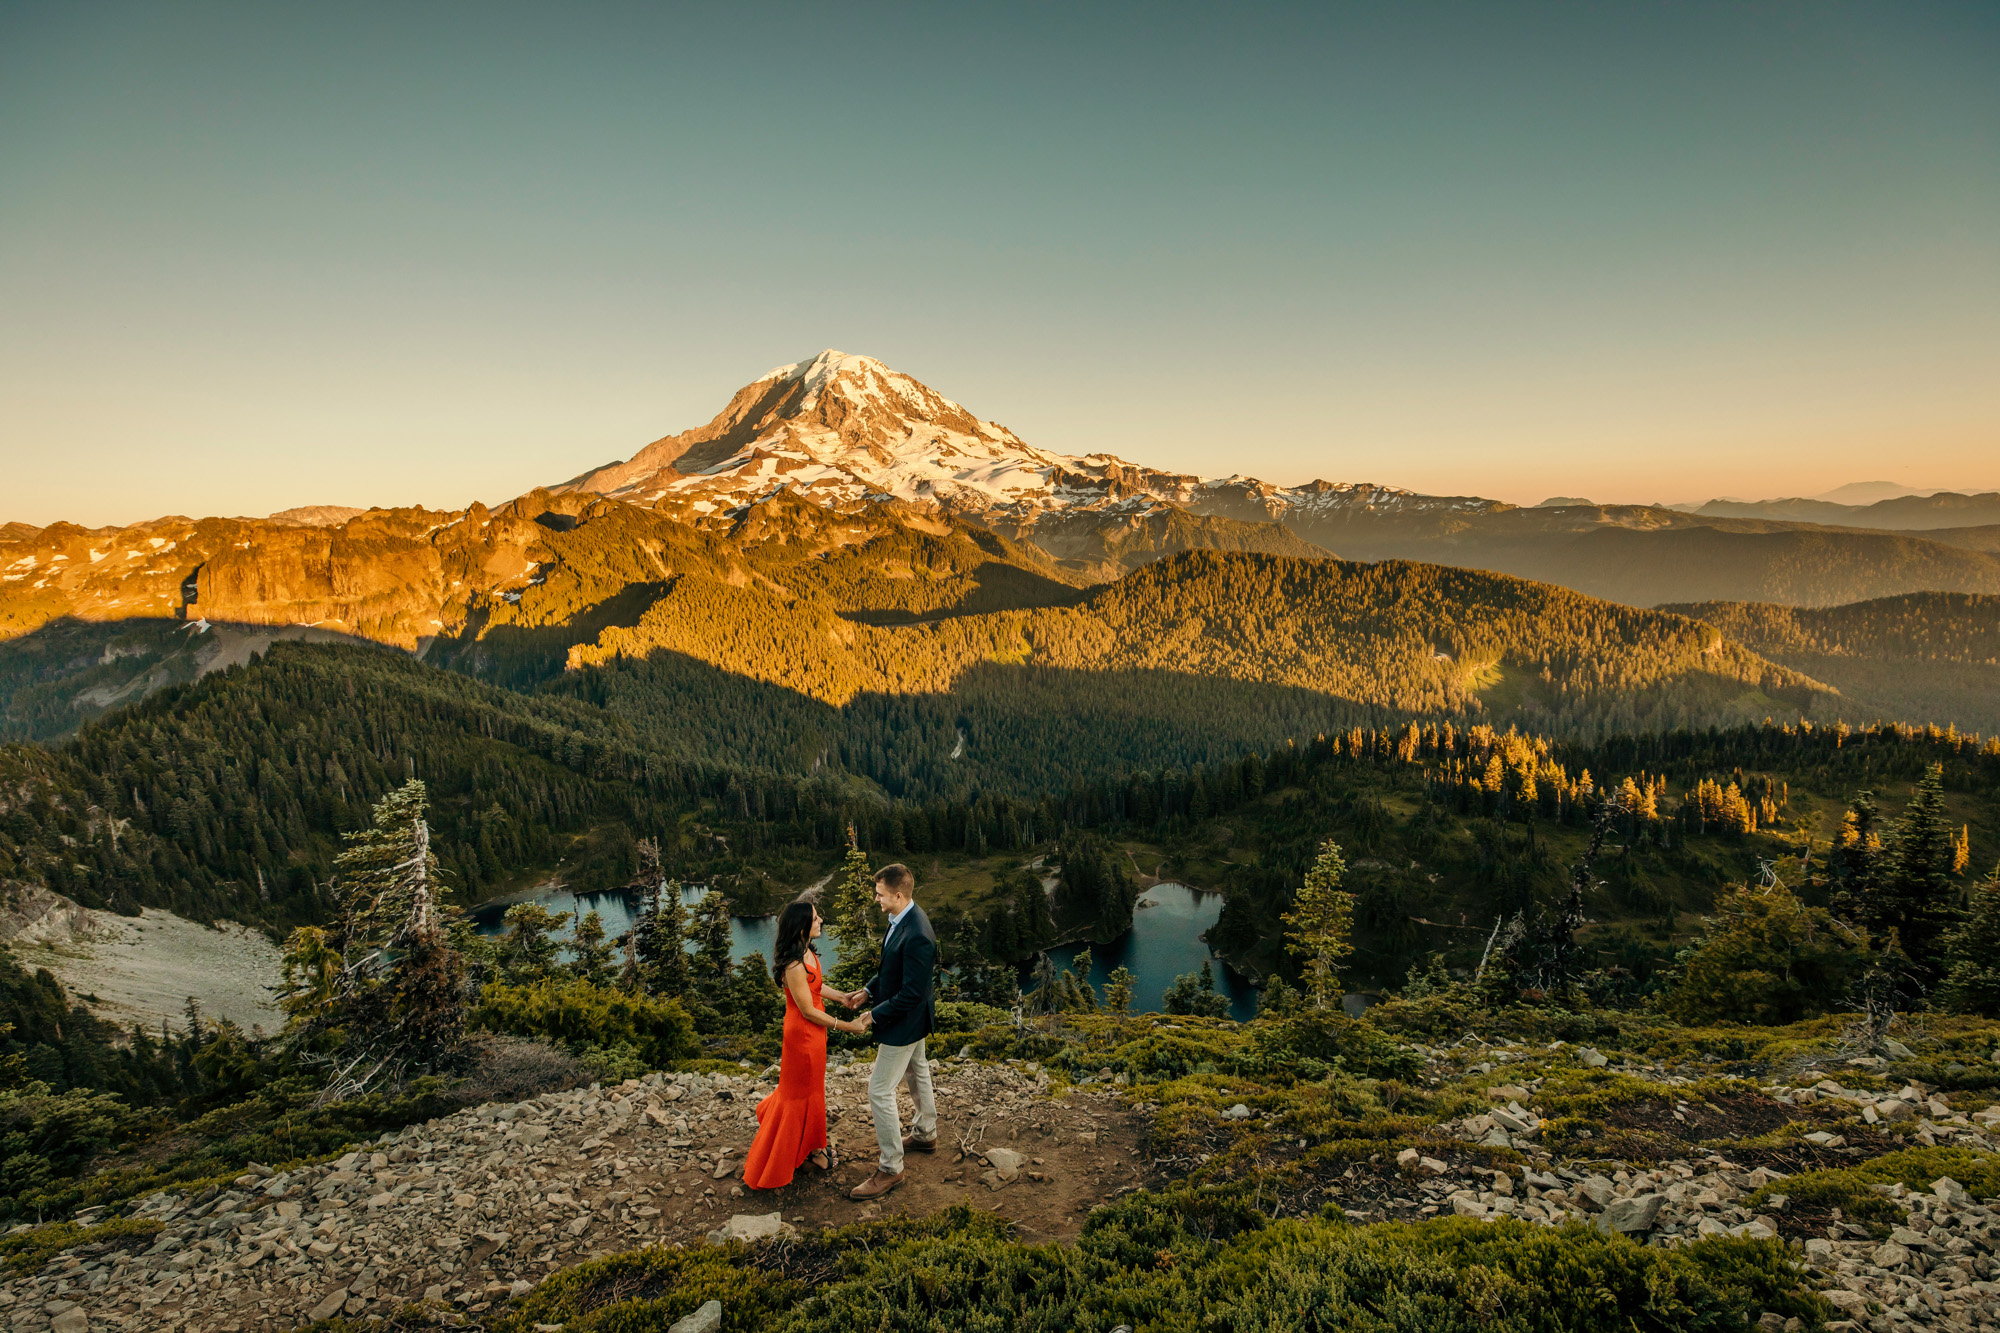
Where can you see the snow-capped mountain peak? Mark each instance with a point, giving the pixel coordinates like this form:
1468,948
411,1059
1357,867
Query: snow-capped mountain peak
846,431
867,379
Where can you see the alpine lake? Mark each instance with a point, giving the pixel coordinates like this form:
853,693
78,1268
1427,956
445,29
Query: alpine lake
1164,942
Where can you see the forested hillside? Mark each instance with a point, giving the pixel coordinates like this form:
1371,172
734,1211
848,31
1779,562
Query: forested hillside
1448,831
1646,556
1334,643
1924,657
226,798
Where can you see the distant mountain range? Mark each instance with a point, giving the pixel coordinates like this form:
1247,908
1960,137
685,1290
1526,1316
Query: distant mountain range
847,432
1868,492
1906,513
841,452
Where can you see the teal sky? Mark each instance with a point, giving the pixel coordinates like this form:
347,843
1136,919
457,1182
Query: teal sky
254,256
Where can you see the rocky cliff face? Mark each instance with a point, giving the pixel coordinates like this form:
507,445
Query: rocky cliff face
396,576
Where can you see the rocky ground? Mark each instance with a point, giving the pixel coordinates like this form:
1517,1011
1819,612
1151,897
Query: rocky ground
1935,1271
484,1203
481,1205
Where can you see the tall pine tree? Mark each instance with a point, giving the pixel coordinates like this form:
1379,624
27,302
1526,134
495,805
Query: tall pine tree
385,983
1905,886
851,916
1971,982
1320,926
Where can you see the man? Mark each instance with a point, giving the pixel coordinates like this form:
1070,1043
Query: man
903,1013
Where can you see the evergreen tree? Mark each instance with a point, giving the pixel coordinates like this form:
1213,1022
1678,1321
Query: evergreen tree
1194,993
1078,995
1921,873
1856,861
386,982
590,951
1905,888
385,869
1971,982
1118,990
660,941
1044,995
529,949
1767,957
990,983
1034,925
711,940
1235,930
1320,926
1277,999
1096,892
755,1002
853,919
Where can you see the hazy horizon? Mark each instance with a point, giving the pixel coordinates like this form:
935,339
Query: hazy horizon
257,258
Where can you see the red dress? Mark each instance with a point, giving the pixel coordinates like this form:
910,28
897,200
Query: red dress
791,1122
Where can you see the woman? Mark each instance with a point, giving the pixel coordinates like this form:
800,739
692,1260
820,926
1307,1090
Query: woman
791,1122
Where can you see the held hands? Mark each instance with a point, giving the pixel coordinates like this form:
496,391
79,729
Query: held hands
863,1023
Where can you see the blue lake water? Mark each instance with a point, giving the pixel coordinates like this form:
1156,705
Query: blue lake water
1164,941
747,934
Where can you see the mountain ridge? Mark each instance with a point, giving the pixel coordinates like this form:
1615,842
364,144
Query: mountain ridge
839,468
1902,513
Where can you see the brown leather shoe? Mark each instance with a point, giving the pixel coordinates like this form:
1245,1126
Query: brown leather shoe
876,1185
915,1144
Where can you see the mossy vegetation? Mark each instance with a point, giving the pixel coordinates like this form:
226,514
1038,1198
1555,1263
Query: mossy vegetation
1186,1259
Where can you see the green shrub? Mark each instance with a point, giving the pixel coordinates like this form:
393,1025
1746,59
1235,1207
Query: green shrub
1331,1040
614,1063
1850,1188
1767,957
31,1249
647,1290
48,1138
1188,1259
966,1016
579,1015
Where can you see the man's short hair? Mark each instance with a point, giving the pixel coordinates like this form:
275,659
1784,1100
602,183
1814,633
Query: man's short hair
897,879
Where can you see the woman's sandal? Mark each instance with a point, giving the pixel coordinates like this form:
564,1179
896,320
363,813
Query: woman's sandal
826,1159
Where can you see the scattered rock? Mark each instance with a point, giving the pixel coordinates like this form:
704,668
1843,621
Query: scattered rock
329,1307
1635,1214
752,1227
708,1319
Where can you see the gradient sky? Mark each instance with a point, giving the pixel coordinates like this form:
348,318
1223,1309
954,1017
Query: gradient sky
254,256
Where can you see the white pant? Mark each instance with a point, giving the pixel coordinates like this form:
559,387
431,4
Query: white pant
893,1065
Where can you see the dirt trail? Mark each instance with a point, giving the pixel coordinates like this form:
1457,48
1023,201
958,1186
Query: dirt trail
1080,1150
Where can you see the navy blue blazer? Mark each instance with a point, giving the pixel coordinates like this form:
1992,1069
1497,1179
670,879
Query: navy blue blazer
905,1012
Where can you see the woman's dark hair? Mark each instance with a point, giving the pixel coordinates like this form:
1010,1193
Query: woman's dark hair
795,930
